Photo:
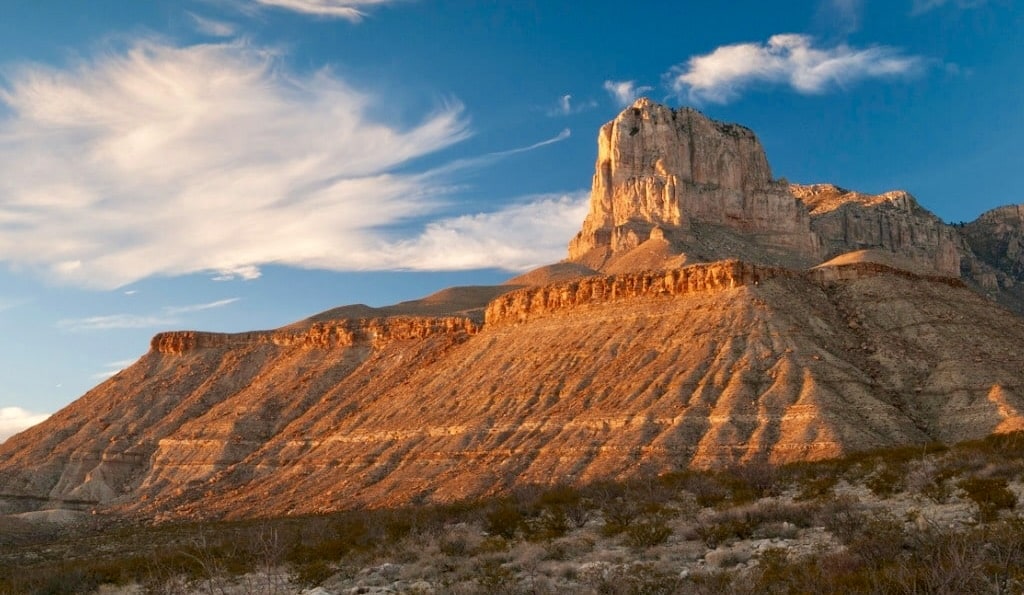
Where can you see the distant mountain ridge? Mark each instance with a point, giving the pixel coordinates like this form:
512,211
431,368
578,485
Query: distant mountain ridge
707,315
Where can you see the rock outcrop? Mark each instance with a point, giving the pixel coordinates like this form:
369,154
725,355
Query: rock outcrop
660,172
892,222
673,187
996,244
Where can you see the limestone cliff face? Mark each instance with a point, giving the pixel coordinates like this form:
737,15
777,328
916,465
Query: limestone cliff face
660,170
340,333
848,221
997,239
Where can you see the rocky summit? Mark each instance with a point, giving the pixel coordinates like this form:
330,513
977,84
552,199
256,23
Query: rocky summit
707,314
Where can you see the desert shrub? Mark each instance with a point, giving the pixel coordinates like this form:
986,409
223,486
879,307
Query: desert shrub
634,579
504,519
814,488
455,547
618,515
331,540
841,519
568,548
886,480
991,494
929,479
707,490
648,531
758,478
492,545
398,525
878,542
718,531
564,503
708,583
494,576
312,573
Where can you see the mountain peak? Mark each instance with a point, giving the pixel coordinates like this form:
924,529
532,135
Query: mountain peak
661,171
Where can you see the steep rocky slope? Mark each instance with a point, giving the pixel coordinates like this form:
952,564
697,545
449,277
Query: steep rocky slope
707,365
849,321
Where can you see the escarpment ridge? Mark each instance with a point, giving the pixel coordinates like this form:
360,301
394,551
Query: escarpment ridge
337,333
708,314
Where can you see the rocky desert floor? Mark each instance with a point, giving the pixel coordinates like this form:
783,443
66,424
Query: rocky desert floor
911,520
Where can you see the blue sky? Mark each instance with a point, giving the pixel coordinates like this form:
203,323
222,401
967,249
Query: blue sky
238,164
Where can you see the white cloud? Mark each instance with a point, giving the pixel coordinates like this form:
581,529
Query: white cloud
16,419
112,369
567,107
625,92
342,9
244,272
7,304
922,6
115,321
532,231
212,27
170,316
846,14
200,307
789,60
164,161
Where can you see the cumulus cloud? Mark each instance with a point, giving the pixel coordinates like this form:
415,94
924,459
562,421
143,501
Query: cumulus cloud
532,231
790,60
161,160
170,316
16,419
625,92
922,6
351,10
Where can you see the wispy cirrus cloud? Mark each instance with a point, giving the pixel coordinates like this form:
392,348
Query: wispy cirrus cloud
174,160
213,27
169,316
352,10
844,15
920,7
112,369
790,60
200,307
8,303
115,321
624,93
567,106
16,419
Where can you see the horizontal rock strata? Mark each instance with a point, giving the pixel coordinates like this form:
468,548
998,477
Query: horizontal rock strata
708,365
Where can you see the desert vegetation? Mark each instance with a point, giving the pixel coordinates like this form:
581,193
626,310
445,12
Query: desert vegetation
925,519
